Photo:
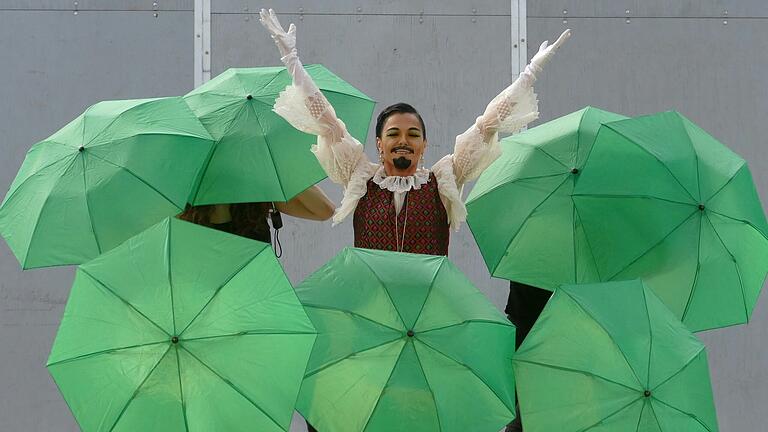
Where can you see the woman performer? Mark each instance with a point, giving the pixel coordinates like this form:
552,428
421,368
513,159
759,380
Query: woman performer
380,195
398,205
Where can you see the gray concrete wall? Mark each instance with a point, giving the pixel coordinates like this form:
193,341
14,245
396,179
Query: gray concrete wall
448,58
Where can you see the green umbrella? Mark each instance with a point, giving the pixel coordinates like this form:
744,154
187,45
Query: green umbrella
654,197
258,155
521,212
115,170
405,343
611,357
182,328
668,203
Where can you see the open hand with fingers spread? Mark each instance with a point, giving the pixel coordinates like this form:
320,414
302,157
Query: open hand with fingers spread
285,40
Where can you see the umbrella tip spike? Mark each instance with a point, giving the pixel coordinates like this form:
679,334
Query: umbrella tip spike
249,97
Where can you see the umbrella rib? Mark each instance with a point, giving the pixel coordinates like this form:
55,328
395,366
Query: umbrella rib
42,208
378,400
137,178
470,370
735,264
650,337
512,238
465,322
695,155
383,287
219,290
43,168
573,239
599,422
233,387
538,148
315,306
589,245
169,275
365,99
88,208
269,150
96,353
431,289
653,245
687,363
735,174
113,120
619,196
327,365
499,186
429,387
252,333
610,336
135,392
567,369
237,77
103,285
696,275
640,417
744,221
215,145
181,392
653,411
695,417
655,157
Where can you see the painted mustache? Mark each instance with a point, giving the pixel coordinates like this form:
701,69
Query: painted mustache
403,148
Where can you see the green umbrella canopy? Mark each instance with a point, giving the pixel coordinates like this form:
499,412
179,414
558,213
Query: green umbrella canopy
405,343
182,328
610,357
115,170
654,197
259,156
662,200
521,212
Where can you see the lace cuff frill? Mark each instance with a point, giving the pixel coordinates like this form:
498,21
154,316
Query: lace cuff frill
355,189
338,159
450,194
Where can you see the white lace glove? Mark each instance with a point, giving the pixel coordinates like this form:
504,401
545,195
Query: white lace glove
285,41
314,100
546,51
305,107
508,112
502,106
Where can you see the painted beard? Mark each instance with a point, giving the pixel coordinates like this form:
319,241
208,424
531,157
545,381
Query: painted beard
401,163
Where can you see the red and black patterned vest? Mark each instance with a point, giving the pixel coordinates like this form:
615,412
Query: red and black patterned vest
426,226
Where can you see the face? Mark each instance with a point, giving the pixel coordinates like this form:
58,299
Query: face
401,144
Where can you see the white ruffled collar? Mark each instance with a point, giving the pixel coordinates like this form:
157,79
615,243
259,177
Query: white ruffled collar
401,184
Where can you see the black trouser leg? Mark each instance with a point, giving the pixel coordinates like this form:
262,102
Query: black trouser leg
524,305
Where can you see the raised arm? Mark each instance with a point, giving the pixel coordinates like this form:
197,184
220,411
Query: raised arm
305,107
511,110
